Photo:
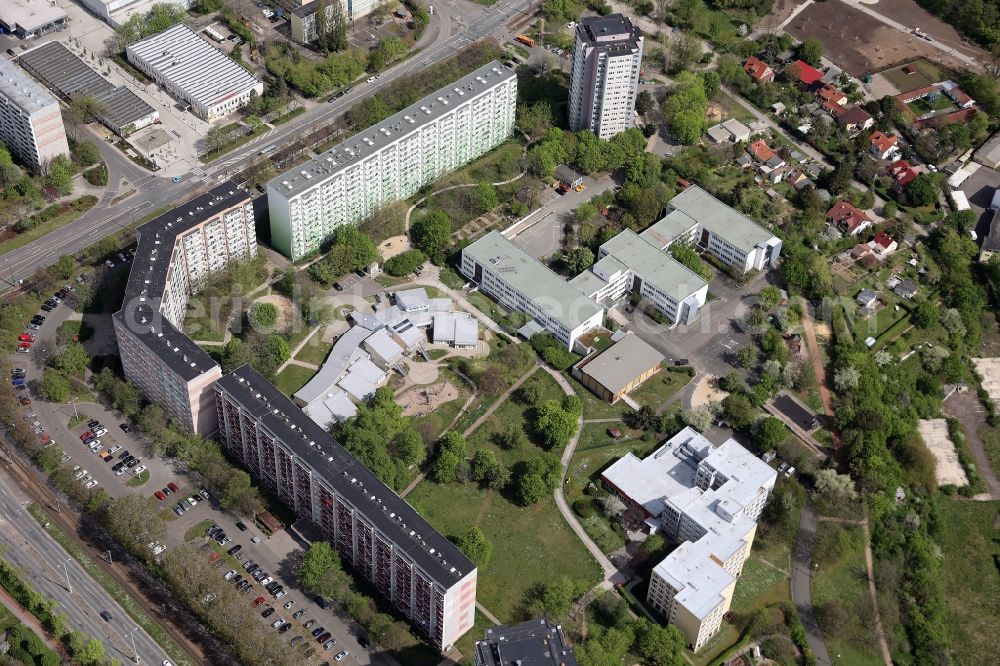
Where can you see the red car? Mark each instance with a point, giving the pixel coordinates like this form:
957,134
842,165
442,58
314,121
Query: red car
24,400
159,495
213,557
173,487
26,337
258,601
85,435
24,345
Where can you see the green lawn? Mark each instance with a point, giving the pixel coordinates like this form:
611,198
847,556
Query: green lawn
292,378
137,481
842,580
595,436
467,643
925,75
314,351
487,306
660,387
758,586
530,544
594,407
7,619
969,535
197,530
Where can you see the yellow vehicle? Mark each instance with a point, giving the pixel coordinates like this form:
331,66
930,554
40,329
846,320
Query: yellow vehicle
105,453
580,188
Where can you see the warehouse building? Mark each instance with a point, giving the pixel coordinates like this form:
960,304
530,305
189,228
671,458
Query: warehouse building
68,76
31,18
31,123
696,217
422,574
193,70
391,160
175,254
520,282
707,498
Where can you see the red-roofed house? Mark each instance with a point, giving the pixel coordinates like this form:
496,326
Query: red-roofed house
758,70
883,244
848,218
855,119
804,73
763,154
903,172
830,93
958,96
883,146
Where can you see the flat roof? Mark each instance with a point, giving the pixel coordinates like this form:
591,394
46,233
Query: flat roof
30,15
655,266
412,299
373,139
147,280
383,508
613,33
381,343
331,408
21,89
669,228
531,643
560,300
699,581
466,331
343,352
57,67
205,74
720,219
618,365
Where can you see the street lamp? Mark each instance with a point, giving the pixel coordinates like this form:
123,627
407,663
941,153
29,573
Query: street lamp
66,573
135,652
76,414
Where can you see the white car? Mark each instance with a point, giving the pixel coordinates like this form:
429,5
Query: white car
230,574
87,479
280,594
571,24
139,470
289,604
101,432
267,581
341,656
277,623
90,484
120,472
79,475
371,79
116,448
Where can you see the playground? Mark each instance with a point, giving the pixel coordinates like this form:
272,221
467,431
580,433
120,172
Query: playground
422,400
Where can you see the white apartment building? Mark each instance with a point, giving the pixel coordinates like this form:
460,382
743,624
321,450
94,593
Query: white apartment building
117,12
302,19
628,263
386,542
176,253
604,75
391,160
193,70
520,282
709,498
696,217
31,125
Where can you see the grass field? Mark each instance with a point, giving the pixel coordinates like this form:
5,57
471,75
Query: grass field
660,387
432,425
292,378
842,580
532,544
594,407
925,75
137,481
968,536
487,306
7,619
314,351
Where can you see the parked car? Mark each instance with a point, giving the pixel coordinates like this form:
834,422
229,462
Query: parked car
318,631
258,601
173,487
324,637
299,613
229,574
289,604
329,644
268,612
159,495
235,549
308,624
341,656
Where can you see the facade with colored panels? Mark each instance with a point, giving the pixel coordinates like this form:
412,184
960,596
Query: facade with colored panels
382,537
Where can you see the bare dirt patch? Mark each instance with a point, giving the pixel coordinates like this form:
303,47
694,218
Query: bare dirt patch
988,370
284,306
860,43
706,391
425,399
390,247
948,469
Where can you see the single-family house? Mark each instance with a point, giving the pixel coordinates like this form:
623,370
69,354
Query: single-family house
731,130
855,119
883,244
758,70
804,73
848,218
763,154
883,146
903,173
794,176
829,93
866,298
905,289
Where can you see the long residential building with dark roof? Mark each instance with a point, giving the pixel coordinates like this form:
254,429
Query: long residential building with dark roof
176,253
385,540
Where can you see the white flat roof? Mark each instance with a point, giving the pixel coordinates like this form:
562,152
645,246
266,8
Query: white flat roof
30,15
381,343
466,331
185,60
331,408
410,300
700,583
361,379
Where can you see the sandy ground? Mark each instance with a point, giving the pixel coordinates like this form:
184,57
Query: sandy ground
420,401
393,246
420,372
948,469
284,306
988,370
706,391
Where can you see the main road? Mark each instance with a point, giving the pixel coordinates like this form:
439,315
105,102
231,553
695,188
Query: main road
55,574
457,23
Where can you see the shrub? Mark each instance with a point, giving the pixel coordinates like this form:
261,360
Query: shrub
584,508
405,263
264,314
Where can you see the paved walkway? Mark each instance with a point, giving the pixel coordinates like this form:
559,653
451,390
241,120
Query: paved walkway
291,356
489,616
801,584
28,619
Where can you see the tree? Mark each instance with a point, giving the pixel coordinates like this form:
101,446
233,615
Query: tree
386,52
579,259
811,50
337,34
924,315
529,489
682,52
660,645
72,361
61,175
320,570
54,387
644,103
451,456
923,190
835,488
551,599
404,263
476,547
688,125
769,432
686,255
699,418
432,232
951,319
846,379
512,439
555,425
134,521
585,211
933,358
264,315
238,493
86,153
486,197
768,297
746,355
738,411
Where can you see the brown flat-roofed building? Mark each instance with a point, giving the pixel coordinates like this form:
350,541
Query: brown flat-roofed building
620,368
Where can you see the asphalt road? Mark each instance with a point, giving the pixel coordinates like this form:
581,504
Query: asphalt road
81,599
459,23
